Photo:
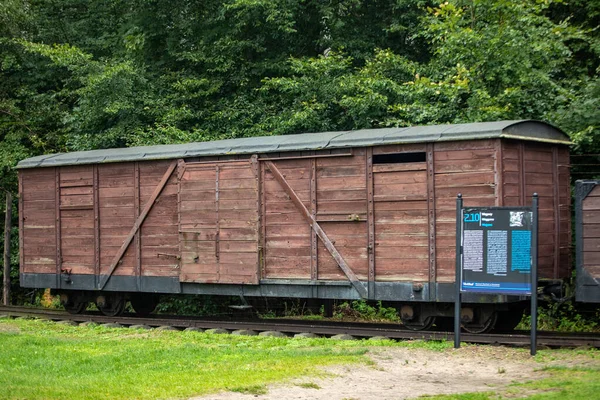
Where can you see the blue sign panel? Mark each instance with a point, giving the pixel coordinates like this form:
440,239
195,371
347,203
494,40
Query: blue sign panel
496,250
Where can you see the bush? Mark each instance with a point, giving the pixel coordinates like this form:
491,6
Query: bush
194,305
362,310
563,317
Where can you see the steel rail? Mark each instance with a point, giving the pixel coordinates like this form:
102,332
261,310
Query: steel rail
323,328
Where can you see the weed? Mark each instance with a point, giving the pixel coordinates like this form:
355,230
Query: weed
562,317
195,304
309,385
501,370
296,308
313,317
362,310
267,314
255,389
462,396
49,301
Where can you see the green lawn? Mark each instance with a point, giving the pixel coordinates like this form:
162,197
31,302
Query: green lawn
564,383
43,360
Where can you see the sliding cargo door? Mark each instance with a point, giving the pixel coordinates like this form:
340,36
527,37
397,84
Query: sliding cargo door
218,222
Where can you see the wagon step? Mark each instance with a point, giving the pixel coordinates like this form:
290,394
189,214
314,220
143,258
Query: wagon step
243,306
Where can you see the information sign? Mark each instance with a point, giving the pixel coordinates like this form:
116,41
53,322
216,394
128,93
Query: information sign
496,250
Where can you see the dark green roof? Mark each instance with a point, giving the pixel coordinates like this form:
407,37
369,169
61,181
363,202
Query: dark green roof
521,130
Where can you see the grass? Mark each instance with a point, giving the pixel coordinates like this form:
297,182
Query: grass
41,360
44,360
362,310
564,383
561,383
563,317
309,385
254,389
358,310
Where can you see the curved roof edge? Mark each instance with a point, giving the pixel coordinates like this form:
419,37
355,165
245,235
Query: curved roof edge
521,130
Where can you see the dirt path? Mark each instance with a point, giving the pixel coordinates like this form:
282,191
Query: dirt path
399,373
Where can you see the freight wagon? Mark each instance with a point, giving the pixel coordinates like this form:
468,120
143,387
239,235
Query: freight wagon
587,234
366,214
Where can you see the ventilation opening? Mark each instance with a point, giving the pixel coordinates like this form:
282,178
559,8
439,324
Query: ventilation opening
399,158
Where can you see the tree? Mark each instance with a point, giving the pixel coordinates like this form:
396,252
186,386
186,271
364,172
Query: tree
82,75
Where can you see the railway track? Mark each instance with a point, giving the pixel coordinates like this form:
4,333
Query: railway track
322,328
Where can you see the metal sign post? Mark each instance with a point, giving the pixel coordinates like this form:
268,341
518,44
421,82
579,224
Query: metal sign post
496,253
457,306
534,278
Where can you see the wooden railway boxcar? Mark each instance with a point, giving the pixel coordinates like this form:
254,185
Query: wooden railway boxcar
337,215
587,231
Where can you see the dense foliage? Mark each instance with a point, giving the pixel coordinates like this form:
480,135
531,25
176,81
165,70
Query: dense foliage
80,74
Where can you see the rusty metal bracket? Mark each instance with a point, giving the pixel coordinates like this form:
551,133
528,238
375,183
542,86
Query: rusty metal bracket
178,257
360,288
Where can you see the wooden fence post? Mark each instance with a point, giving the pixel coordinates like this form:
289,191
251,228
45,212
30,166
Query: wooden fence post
7,228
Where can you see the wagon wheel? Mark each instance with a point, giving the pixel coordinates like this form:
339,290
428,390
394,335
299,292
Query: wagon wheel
114,306
481,326
418,325
144,305
76,307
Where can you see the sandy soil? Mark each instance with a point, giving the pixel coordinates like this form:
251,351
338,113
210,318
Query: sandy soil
398,373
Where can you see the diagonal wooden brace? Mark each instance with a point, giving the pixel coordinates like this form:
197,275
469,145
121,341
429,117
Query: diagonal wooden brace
318,230
136,226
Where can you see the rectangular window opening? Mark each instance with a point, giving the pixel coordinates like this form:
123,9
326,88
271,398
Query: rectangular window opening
399,158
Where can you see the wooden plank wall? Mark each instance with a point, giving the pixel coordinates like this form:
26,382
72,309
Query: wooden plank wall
334,190
38,220
287,236
512,174
198,224
564,197
86,246
401,217
159,235
122,192
542,168
342,213
460,167
219,223
591,233
77,219
541,177
117,213
238,223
